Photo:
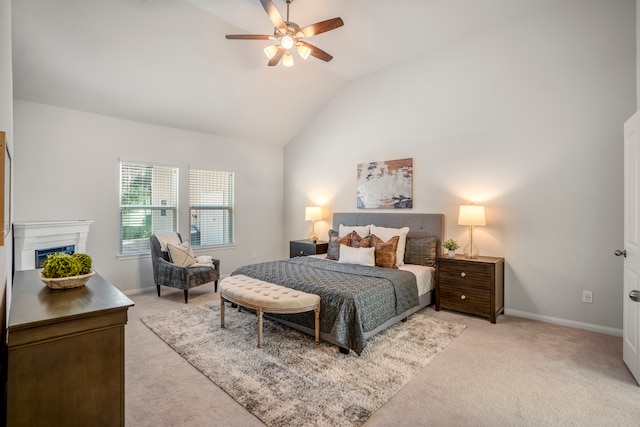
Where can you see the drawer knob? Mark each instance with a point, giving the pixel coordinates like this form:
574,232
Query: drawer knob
463,274
463,297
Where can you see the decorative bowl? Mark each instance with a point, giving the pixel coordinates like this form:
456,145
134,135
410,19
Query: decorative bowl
66,282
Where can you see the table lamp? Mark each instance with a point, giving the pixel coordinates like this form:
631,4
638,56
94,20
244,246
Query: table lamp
313,213
471,215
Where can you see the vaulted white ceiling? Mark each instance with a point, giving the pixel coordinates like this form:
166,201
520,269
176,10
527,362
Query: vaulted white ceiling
167,62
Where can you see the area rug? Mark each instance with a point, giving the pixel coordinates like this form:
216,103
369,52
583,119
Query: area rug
291,381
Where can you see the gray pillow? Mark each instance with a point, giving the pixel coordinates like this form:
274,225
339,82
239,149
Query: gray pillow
333,251
421,251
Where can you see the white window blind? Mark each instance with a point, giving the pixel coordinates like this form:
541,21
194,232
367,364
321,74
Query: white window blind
211,207
148,203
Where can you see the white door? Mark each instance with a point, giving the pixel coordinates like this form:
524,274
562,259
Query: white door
631,251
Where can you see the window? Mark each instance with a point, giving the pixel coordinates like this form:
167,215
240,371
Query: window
148,203
211,207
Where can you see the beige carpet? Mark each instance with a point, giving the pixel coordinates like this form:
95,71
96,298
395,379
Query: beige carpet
518,372
291,381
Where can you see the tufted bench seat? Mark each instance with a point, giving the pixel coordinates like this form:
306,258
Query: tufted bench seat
265,297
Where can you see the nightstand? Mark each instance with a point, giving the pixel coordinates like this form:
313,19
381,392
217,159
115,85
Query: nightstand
307,247
473,286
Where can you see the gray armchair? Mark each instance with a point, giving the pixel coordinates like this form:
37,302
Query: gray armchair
166,273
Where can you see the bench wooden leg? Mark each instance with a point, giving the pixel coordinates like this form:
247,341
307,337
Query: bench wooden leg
221,311
259,312
317,310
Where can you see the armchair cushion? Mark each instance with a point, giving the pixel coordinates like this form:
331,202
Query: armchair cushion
181,254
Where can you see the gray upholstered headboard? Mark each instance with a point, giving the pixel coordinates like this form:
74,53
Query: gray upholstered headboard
420,225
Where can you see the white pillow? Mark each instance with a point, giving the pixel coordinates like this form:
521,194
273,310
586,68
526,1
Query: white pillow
363,231
361,256
181,254
386,233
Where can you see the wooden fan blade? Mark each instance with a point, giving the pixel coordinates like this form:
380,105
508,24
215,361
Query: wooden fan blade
274,15
248,37
276,58
317,52
321,27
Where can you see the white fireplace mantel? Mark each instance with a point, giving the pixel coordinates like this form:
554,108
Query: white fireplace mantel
38,235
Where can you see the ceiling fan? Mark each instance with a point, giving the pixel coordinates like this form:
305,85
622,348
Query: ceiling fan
288,35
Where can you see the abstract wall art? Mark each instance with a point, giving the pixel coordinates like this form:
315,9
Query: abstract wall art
385,185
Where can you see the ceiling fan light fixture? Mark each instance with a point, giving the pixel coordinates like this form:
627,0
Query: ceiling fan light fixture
288,35
287,41
287,61
270,51
303,51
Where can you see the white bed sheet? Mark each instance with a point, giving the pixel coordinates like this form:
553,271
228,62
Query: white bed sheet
424,275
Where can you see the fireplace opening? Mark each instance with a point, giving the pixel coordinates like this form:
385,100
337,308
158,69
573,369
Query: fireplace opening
42,254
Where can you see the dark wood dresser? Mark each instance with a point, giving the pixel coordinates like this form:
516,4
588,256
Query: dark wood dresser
65,354
307,247
473,286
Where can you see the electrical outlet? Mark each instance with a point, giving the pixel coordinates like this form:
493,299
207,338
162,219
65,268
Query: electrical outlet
253,255
587,297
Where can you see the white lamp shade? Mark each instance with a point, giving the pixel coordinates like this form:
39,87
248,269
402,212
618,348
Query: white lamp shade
271,51
287,61
313,213
304,51
471,215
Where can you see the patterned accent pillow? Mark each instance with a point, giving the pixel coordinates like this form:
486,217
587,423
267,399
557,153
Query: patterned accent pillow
181,254
386,251
360,242
421,251
386,233
333,251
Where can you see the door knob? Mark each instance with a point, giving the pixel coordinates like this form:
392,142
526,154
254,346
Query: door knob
634,295
621,253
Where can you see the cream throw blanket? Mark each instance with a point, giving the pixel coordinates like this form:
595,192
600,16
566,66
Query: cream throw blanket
165,237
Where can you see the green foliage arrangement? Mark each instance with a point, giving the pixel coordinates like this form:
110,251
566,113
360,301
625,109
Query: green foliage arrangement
65,265
451,245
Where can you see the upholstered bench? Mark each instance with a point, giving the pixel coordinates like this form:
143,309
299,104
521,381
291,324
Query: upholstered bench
265,297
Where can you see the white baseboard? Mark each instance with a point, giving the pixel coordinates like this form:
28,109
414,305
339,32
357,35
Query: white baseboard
565,322
152,289
140,291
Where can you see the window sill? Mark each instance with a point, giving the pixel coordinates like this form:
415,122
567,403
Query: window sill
200,250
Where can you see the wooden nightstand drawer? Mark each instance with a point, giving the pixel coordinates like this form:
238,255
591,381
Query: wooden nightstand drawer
467,299
473,286
466,274
306,248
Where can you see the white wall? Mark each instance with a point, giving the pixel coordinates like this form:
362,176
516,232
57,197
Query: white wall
6,125
638,54
66,167
525,119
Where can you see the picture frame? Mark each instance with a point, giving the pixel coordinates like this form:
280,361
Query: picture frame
385,185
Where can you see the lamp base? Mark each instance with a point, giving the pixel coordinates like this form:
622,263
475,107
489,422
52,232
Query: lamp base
470,252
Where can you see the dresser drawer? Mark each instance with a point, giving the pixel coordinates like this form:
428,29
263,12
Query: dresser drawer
477,275
467,299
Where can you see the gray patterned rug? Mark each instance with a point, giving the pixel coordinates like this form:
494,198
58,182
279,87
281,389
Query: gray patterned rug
291,381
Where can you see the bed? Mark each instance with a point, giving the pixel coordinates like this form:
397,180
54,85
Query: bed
357,301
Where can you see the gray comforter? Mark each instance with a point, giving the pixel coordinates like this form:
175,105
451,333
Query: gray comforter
354,299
